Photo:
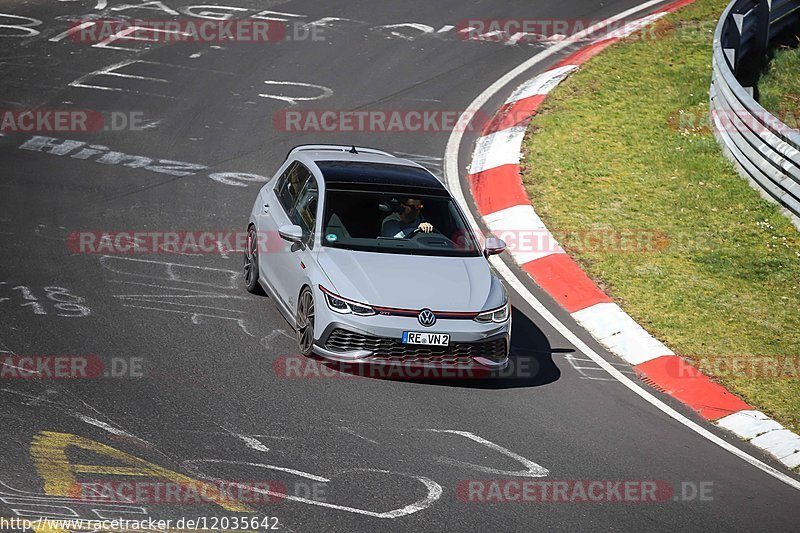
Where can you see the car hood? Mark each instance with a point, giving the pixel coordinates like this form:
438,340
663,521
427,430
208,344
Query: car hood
412,281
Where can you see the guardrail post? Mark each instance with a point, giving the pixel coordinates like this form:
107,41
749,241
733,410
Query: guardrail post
763,13
732,40
766,151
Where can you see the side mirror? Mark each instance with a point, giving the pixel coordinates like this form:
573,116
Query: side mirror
291,233
494,246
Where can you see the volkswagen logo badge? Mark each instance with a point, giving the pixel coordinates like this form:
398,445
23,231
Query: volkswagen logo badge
426,318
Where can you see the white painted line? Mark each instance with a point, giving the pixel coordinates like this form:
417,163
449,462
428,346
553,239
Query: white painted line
454,184
127,34
262,465
520,288
198,306
434,490
111,71
634,26
72,29
541,84
9,365
497,149
531,469
248,440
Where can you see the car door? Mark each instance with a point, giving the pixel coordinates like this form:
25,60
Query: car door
269,217
293,201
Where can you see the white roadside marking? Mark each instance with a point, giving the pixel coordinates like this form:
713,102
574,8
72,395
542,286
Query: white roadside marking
541,84
513,223
531,469
111,70
583,370
618,332
325,92
71,30
169,271
74,413
222,250
454,184
249,441
496,149
748,424
354,433
260,465
434,489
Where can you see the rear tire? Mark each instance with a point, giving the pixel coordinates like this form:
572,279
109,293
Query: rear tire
304,322
251,263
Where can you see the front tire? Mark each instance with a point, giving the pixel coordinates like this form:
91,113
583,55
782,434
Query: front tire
251,262
304,321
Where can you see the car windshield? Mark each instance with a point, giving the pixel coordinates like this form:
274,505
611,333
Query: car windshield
404,223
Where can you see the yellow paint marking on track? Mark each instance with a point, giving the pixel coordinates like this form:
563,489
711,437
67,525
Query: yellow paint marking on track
49,454
113,470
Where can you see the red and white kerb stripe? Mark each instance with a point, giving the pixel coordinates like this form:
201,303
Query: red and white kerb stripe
496,186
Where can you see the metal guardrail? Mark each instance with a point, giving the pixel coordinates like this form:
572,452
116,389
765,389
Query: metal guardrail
765,150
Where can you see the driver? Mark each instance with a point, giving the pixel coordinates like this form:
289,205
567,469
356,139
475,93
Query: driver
408,219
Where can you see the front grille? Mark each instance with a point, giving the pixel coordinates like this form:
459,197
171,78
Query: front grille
393,351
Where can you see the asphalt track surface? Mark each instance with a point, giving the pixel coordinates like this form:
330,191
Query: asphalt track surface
210,403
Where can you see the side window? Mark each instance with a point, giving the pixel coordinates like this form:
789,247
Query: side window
304,213
290,185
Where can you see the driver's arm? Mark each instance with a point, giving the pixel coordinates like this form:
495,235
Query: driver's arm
391,228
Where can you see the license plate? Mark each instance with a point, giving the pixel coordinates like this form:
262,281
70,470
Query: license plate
431,339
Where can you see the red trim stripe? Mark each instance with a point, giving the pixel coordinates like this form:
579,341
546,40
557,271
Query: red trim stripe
686,383
675,6
583,55
565,282
456,315
517,113
498,188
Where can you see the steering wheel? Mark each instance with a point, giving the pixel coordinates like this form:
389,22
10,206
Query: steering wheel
417,231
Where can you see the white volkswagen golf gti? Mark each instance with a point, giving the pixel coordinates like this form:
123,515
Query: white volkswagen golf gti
371,260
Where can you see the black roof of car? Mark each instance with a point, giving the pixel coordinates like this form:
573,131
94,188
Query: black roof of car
338,174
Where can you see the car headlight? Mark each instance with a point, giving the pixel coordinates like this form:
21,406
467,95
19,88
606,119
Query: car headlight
344,306
497,316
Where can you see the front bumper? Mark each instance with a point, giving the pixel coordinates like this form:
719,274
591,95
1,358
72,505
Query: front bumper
472,345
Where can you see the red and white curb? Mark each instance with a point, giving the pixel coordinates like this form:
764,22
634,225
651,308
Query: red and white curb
496,186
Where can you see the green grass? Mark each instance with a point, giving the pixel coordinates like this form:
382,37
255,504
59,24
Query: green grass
779,87
623,144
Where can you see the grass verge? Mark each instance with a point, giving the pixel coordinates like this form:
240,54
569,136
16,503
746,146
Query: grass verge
779,87
624,145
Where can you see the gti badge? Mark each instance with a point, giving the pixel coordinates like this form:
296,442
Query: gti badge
426,318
